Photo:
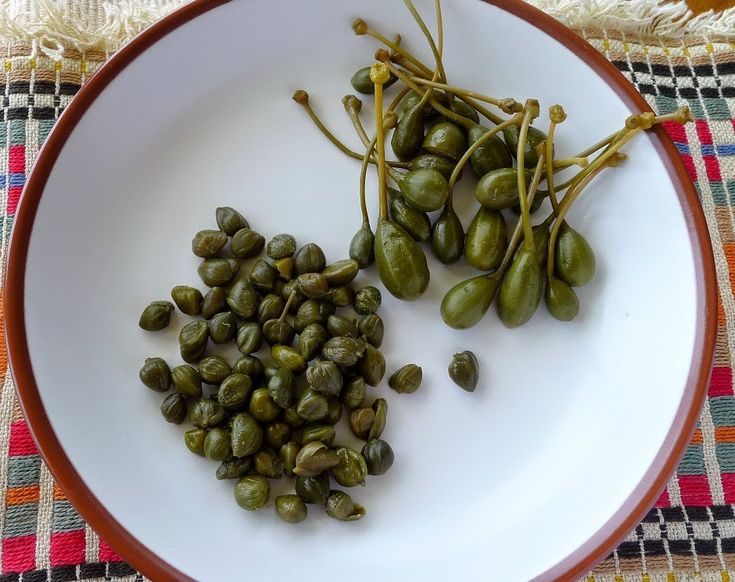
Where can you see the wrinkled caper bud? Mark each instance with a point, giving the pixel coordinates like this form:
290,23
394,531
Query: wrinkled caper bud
371,327
155,374
252,492
251,366
291,508
372,365
262,406
361,421
242,299
314,458
407,379
247,435
312,284
312,405
292,418
218,271
217,446
246,243
233,468
249,338
341,296
230,220
340,507
285,294
285,268
323,433
207,243
268,464
341,272
344,351
263,276
325,377
378,456
271,307
338,326
280,246
309,259
187,299
367,300
313,489
156,316
214,301
277,434
194,440
288,454
312,311
234,391
193,339
311,340
214,369
187,381
222,327
288,357
173,408
334,410
464,370
207,413
277,331
281,387
380,406
354,392
351,469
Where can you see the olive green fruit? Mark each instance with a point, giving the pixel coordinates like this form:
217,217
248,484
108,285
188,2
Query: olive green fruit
249,338
312,311
218,271
380,407
289,358
351,469
278,331
223,327
288,454
520,291
311,340
424,189
354,392
194,440
206,413
408,134
313,489
309,259
285,267
361,82
406,379
371,327
339,326
442,165
247,435
290,508
378,456
287,294
187,381
247,243
334,410
207,243
325,378
401,262
187,299
486,240
243,299
281,388
535,138
217,445
561,300
277,434
491,155
312,284
312,405
234,391
465,304
263,276
214,369
193,339
314,458
341,296
341,507
230,220
267,463
362,246
447,140
173,408
281,246
271,307
341,272
252,492
412,99
361,421
156,316
233,468
155,374
464,110
574,259
541,242
447,236
323,433
344,351
367,300
538,201
250,366
214,302
464,370
372,365
262,407
414,222
498,189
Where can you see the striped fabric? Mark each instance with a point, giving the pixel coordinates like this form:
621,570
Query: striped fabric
689,535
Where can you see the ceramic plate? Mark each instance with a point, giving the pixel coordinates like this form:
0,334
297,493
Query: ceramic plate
574,428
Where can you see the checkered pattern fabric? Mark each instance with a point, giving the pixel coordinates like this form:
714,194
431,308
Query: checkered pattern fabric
689,535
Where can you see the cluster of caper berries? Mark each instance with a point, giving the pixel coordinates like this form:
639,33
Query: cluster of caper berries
266,417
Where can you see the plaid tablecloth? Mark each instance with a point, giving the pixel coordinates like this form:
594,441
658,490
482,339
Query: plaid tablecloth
689,535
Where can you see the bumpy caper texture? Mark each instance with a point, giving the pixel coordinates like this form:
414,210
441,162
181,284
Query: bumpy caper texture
325,378
173,408
312,284
281,246
217,446
344,351
207,243
313,489
323,433
341,507
193,339
464,370
288,454
354,392
351,469
187,381
247,243
194,440
214,302
246,434
243,299
291,508
406,379
155,374
223,327
372,328
281,387
214,369
252,492
156,316
234,391
267,463
207,413
367,300
217,272
187,299
233,468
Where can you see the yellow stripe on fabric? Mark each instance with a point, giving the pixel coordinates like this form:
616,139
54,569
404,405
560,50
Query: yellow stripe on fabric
725,576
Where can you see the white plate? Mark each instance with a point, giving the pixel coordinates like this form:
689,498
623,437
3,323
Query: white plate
574,427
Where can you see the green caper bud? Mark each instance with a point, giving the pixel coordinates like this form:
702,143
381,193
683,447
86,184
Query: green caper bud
313,489
252,492
277,434
247,243
341,507
285,294
247,435
378,456
243,299
464,370
406,380
230,220
442,165
354,392
207,243
362,246
323,433
281,246
222,327
325,378
314,458
561,300
214,301
312,311
292,418
367,300
344,351
339,326
187,299
173,408
312,284
250,366
262,406
288,357
341,272
309,259
341,296
361,421
285,268
234,391
218,271
214,369
371,327
194,440
193,339
156,316
574,258
207,413
380,406
155,374
278,331
351,469
279,284
249,338
311,340
187,381
291,508
271,307
268,464
217,445
288,454
281,387
372,365
233,468
362,83
312,405
334,410
263,276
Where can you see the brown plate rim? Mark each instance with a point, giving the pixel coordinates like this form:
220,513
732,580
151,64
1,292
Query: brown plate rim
572,566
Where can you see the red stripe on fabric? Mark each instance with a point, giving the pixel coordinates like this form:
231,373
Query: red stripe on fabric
21,442
712,165
676,131
703,131
17,159
14,193
663,499
728,486
720,383
689,165
68,548
107,554
695,490
19,554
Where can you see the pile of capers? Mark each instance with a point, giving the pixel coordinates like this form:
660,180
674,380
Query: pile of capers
263,421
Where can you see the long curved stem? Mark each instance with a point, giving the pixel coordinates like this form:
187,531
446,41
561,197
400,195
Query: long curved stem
422,25
363,177
361,27
550,168
289,302
380,143
521,157
460,92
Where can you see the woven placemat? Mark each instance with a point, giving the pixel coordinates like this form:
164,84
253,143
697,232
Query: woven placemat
689,535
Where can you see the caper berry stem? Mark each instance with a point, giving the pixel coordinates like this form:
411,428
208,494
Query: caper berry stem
378,75
508,105
289,302
363,177
530,112
353,111
557,115
440,33
360,27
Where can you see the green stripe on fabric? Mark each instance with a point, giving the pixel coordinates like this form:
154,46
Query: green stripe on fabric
17,131
723,410
666,105
692,463
717,109
3,133
726,457
24,470
66,518
20,520
718,193
44,127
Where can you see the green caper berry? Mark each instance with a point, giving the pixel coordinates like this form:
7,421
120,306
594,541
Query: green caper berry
214,369
313,489
155,374
207,243
281,246
214,301
187,381
187,299
367,300
230,220
252,492
156,316
207,413
247,243
173,408
194,440
341,507
222,327
309,259
217,445
463,370
407,379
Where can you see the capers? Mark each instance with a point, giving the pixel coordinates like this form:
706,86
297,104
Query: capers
314,458
338,326
187,299
194,440
173,408
155,374
281,246
250,366
367,300
217,445
207,243
309,259
285,268
341,296
277,434
187,381
278,331
222,327
291,508
233,468
214,302
464,370
156,316
311,340
380,407
372,365
230,220
252,492
288,357
361,421
271,307
341,272
249,338
406,379
193,339
323,433
263,276
262,406
351,469
325,378
207,413
214,369
234,391
218,271
281,387
341,507
378,457
312,405
354,392
268,464
288,454
313,489
246,435
312,284
312,311
242,299
247,243
344,351
371,327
